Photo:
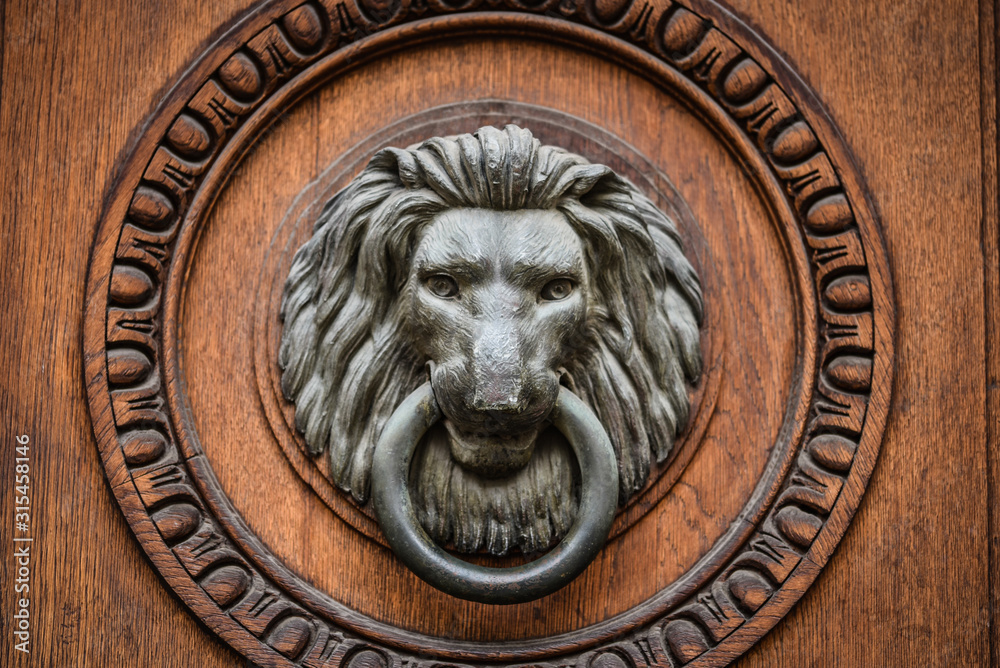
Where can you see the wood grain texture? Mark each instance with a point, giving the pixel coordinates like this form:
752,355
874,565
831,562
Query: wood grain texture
71,105
989,68
911,579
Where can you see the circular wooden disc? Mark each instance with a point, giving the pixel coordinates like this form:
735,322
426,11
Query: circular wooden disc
550,127
181,325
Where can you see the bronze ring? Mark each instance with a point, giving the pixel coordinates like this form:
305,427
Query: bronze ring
558,567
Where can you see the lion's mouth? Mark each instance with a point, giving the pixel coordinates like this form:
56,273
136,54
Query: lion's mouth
491,455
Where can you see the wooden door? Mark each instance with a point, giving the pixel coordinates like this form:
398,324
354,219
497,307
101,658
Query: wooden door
831,171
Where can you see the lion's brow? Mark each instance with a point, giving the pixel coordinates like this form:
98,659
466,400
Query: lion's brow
543,260
456,264
534,271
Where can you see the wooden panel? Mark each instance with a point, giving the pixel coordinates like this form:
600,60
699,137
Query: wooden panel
911,89
77,82
910,581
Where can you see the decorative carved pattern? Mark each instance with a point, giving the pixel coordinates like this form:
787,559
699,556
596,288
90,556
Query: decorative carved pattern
166,487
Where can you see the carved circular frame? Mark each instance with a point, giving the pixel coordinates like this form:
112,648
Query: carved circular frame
281,51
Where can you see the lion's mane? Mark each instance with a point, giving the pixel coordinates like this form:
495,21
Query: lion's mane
347,362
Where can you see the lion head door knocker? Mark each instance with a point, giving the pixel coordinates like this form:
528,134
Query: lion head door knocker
491,338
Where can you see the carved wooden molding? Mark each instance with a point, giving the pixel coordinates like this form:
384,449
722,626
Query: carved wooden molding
277,54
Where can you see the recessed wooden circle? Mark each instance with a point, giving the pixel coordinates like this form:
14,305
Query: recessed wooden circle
779,223
548,126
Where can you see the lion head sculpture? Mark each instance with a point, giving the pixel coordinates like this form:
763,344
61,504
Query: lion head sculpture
501,269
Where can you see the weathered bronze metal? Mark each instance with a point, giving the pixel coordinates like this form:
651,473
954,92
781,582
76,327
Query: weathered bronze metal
507,274
396,515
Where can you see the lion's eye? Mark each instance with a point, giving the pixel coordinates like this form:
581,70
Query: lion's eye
442,286
556,290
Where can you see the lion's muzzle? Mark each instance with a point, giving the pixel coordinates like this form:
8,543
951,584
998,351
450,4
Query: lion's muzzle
494,409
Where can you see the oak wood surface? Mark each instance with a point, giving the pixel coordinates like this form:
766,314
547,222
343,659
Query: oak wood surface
911,88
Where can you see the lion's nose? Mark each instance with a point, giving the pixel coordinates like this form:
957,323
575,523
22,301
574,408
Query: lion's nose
497,393
497,367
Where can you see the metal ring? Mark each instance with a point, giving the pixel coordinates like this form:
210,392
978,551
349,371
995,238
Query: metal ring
555,569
